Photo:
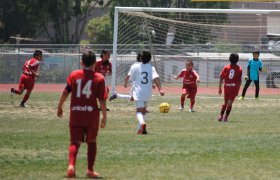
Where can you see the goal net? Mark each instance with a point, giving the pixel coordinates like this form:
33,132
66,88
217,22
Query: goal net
205,36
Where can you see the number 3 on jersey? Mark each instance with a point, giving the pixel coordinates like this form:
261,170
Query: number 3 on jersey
231,74
145,77
86,89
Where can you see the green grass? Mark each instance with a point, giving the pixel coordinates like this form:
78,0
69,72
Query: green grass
180,145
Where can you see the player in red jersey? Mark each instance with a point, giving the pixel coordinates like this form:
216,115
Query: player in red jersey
231,76
85,86
189,89
104,67
27,79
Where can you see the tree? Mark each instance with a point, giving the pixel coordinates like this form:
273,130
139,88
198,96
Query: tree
60,13
100,31
30,17
15,18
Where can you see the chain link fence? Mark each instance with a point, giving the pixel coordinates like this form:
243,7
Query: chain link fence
60,60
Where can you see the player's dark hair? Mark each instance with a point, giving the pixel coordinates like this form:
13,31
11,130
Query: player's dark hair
189,61
139,57
37,53
104,51
146,57
88,58
233,58
256,51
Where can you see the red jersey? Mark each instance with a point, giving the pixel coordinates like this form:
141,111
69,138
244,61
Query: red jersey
86,87
103,69
232,75
189,77
29,65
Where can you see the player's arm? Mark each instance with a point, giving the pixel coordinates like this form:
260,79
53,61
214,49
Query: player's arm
182,74
220,85
197,76
61,102
29,67
126,80
157,82
104,112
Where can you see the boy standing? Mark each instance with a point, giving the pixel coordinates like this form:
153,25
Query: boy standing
254,66
231,75
27,79
86,87
189,89
142,76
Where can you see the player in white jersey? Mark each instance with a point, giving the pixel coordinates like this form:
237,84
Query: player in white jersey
126,96
142,76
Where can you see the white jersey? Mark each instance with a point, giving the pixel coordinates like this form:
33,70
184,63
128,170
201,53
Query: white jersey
142,76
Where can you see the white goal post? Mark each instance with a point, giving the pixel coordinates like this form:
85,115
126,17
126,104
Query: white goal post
206,36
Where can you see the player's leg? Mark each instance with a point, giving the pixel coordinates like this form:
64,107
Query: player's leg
29,85
247,84
223,109
21,86
183,98
192,94
91,151
76,137
120,96
140,111
228,108
257,84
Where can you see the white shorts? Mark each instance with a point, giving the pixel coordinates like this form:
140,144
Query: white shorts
141,104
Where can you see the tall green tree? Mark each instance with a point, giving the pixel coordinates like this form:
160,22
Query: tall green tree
29,17
100,31
16,18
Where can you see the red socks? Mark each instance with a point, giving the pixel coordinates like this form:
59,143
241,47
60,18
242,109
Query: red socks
73,151
228,110
192,103
182,101
91,154
223,109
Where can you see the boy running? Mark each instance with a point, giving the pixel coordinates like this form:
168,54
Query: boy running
125,96
231,75
142,76
189,89
27,79
85,86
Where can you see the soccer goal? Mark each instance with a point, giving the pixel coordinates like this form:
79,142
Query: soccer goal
205,36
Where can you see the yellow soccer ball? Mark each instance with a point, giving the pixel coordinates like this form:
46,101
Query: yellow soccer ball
164,107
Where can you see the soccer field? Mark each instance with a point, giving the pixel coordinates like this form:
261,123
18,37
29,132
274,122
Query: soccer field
180,145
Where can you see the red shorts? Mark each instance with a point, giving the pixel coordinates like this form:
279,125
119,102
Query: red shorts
230,94
26,82
83,134
190,91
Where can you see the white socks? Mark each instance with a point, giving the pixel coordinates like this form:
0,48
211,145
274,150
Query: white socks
123,96
140,119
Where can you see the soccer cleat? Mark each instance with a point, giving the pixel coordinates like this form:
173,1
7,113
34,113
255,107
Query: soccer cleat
23,105
191,110
12,92
114,96
226,119
101,109
71,173
139,131
143,129
241,98
220,119
92,174
181,108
